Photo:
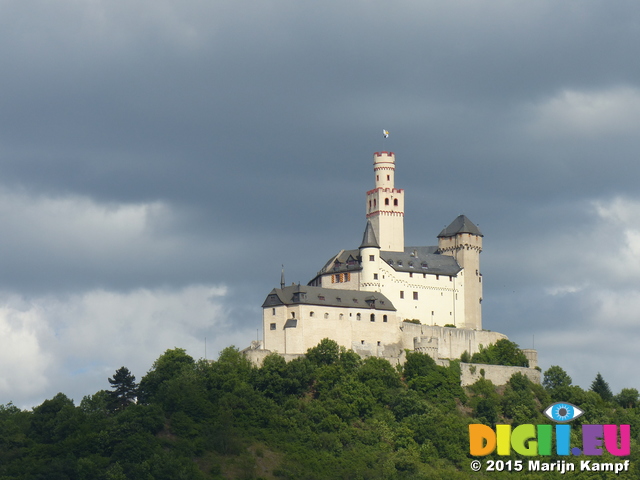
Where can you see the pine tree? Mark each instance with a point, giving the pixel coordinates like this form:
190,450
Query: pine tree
125,389
601,388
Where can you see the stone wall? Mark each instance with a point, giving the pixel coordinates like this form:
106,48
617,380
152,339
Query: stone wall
498,374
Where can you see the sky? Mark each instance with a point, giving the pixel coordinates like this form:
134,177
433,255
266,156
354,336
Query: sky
160,161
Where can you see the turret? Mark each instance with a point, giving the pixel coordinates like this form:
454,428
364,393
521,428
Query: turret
463,241
385,204
370,260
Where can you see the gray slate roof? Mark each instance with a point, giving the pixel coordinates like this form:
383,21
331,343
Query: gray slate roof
413,259
460,225
369,238
306,295
421,260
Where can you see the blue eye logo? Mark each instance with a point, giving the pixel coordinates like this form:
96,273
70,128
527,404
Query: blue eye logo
563,412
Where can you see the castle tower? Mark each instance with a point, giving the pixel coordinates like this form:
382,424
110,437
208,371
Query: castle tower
370,260
463,241
385,204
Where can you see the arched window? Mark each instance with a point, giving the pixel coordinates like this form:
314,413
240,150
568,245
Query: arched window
311,314
373,317
358,316
386,201
395,202
326,315
374,202
384,318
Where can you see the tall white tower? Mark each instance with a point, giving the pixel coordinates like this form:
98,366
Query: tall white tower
385,204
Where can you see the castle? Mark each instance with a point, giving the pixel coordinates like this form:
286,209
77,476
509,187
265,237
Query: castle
384,298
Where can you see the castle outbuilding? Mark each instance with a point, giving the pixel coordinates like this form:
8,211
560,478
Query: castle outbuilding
383,297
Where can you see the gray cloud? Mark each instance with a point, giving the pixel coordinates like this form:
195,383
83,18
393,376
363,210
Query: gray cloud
157,147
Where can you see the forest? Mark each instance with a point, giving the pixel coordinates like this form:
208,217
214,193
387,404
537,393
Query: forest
327,415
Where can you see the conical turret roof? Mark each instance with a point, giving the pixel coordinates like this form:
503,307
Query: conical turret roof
460,225
369,238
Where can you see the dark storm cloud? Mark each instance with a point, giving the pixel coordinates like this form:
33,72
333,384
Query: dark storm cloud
159,145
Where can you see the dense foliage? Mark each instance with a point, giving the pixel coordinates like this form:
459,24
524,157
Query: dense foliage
329,415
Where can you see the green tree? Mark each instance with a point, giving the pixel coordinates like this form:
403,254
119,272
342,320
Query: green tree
327,352
503,352
627,398
169,365
555,377
125,389
601,387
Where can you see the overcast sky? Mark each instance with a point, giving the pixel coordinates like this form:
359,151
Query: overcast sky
160,161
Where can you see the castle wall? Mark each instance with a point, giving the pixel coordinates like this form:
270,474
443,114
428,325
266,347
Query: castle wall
498,374
452,342
296,328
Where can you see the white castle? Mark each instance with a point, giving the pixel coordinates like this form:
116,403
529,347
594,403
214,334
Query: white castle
384,297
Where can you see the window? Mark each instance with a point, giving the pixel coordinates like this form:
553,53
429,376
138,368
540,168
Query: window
341,316
321,297
378,342
338,278
372,258
395,202
450,278
374,202
437,277
338,299
361,342
375,276
384,318
311,314
411,275
388,177
401,294
272,326
378,177
415,295
358,316
273,311
386,201
326,315
373,317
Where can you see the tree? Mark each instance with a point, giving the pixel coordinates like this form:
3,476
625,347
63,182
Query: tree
327,352
555,377
627,398
125,389
503,352
601,388
169,365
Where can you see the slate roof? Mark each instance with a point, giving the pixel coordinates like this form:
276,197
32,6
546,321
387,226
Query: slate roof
331,297
369,238
460,225
413,259
421,260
